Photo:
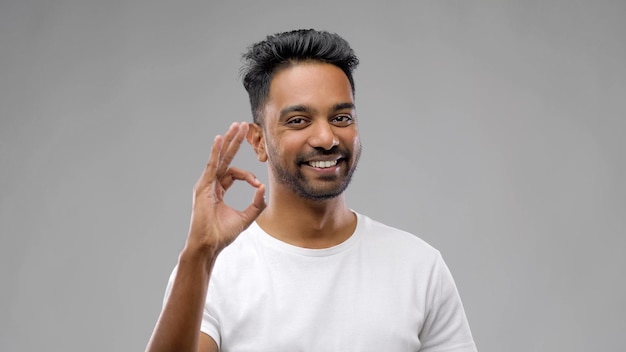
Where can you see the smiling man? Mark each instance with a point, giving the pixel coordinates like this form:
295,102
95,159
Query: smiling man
303,272
310,103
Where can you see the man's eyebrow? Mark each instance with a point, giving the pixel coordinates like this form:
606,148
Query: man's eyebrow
308,109
343,106
296,108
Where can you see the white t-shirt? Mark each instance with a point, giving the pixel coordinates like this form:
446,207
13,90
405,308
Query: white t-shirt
381,290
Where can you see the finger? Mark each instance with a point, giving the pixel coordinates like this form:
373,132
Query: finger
257,206
235,174
208,175
227,181
233,141
228,138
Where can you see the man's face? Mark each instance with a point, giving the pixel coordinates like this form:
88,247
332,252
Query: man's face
310,129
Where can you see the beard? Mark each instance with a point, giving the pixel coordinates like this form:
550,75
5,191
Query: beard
323,187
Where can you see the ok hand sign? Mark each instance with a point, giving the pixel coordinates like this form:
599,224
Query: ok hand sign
214,224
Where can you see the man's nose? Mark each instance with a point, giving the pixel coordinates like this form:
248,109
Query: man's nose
323,136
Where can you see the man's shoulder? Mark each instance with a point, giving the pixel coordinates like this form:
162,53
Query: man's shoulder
382,235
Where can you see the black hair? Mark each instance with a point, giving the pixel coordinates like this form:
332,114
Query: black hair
281,50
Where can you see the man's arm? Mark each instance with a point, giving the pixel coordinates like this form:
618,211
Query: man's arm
214,225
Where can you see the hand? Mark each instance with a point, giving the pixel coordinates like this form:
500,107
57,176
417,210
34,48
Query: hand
214,224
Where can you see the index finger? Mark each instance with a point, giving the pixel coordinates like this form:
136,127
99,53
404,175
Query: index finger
208,175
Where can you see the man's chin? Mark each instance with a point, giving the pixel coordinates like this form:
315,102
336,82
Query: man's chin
321,193
321,196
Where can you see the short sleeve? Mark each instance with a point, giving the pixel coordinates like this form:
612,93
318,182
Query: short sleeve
445,327
210,325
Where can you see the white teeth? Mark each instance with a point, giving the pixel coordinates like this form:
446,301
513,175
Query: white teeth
323,164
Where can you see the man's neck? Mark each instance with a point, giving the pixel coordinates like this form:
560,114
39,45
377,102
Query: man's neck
308,223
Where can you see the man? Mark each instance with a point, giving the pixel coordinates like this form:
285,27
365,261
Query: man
304,273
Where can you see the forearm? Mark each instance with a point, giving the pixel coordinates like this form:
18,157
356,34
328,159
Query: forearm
214,225
178,327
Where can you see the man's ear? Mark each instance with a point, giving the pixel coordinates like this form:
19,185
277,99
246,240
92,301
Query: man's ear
256,138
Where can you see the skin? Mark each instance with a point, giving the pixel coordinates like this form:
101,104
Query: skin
309,116
319,133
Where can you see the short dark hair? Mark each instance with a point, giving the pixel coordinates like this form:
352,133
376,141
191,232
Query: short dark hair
281,50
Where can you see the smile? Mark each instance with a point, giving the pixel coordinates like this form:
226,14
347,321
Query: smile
323,164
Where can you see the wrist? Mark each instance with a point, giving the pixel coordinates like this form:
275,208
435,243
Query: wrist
198,256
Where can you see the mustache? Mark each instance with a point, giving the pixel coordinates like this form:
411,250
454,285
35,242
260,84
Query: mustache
321,152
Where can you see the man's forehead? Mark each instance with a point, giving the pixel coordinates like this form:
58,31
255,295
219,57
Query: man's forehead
310,83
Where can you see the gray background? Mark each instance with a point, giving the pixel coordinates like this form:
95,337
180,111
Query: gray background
492,129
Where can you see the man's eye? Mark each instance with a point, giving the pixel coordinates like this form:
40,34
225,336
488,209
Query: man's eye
296,121
342,119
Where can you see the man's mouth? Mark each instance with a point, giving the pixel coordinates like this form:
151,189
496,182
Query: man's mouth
322,164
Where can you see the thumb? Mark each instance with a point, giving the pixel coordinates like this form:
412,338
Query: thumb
254,210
